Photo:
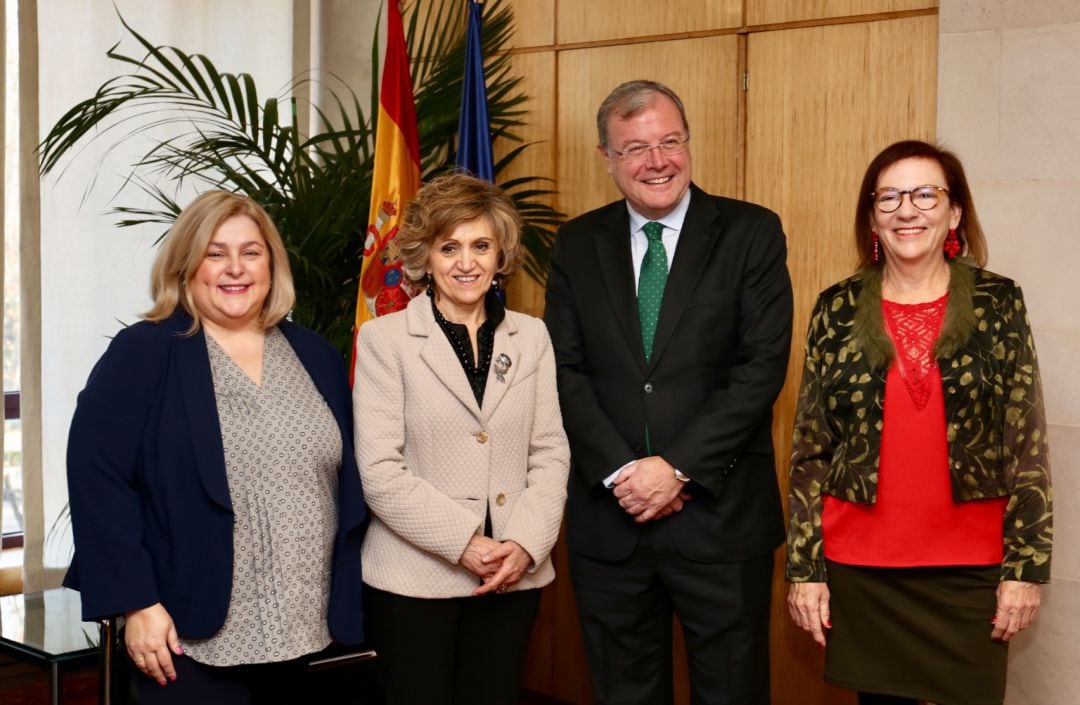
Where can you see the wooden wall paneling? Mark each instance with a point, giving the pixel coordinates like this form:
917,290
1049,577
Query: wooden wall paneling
537,70
822,102
557,614
555,662
534,22
760,12
600,20
704,72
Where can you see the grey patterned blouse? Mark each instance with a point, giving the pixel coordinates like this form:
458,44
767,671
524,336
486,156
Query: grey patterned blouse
282,456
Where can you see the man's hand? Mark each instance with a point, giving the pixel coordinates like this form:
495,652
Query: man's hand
674,506
648,486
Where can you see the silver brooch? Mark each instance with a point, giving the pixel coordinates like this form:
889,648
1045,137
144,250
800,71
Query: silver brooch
502,364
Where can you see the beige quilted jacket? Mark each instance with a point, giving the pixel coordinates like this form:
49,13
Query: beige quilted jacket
432,462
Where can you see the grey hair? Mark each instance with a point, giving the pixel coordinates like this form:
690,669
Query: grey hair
631,98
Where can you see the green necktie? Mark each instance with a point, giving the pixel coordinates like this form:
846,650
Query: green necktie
654,270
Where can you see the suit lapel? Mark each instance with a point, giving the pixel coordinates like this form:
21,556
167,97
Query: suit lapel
505,343
617,270
697,238
436,352
197,389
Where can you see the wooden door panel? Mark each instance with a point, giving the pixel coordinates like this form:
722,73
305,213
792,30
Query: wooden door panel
760,12
603,20
534,22
537,70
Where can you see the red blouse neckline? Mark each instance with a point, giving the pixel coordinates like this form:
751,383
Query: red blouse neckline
914,329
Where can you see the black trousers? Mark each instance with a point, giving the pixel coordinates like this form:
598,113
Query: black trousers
454,651
199,684
626,608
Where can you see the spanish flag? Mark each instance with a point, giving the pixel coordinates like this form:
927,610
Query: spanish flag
395,180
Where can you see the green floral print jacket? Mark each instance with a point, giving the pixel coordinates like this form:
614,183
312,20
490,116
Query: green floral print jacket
995,423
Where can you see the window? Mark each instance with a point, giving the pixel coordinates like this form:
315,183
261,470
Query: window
12,494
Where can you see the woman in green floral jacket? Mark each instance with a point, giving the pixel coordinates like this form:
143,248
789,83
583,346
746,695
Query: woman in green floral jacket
918,544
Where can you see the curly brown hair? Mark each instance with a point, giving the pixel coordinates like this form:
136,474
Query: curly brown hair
446,202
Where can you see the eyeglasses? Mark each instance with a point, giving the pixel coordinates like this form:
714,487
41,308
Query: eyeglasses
924,198
640,152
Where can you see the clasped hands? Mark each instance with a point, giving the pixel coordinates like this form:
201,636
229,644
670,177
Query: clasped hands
648,489
499,564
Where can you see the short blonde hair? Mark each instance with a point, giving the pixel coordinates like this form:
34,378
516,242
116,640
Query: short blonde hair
185,246
445,203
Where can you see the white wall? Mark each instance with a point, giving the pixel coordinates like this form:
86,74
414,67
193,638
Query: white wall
94,274
1008,101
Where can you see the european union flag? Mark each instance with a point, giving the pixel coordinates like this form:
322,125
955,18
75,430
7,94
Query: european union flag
474,130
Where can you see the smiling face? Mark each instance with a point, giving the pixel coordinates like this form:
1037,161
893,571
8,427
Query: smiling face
909,235
653,187
230,286
463,265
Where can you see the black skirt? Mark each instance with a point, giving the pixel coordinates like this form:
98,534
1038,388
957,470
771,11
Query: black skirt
920,633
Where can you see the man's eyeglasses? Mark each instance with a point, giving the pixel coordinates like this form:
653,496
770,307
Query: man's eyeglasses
640,152
924,198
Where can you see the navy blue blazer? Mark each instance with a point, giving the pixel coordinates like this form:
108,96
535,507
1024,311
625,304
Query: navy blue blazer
150,506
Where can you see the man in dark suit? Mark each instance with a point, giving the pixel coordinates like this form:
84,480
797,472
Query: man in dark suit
670,313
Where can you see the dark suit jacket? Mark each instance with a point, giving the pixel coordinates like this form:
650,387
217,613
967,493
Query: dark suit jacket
150,505
719,358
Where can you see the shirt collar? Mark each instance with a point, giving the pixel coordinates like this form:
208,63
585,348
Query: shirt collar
673,220
494,310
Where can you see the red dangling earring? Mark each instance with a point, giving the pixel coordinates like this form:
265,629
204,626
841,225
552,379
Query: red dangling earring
953,245
875,256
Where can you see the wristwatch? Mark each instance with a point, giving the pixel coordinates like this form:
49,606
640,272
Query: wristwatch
680,476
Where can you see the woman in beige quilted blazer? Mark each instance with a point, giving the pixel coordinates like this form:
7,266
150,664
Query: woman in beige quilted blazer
462,456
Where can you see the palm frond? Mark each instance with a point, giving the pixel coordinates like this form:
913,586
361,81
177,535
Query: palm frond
315,187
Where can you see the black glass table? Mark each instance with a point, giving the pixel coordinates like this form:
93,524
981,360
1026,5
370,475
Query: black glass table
46,628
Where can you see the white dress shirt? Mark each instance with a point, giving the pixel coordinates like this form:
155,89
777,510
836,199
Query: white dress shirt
672,222
639,245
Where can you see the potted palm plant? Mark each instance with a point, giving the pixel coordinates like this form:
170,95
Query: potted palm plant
317,186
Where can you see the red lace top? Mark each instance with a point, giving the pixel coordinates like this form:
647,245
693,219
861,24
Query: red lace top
914,521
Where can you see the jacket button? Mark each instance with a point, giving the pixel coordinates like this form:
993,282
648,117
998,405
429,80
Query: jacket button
481,436
500,499
648,388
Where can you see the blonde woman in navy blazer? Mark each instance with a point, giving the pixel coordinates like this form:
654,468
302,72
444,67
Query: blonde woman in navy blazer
462,454
151,505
